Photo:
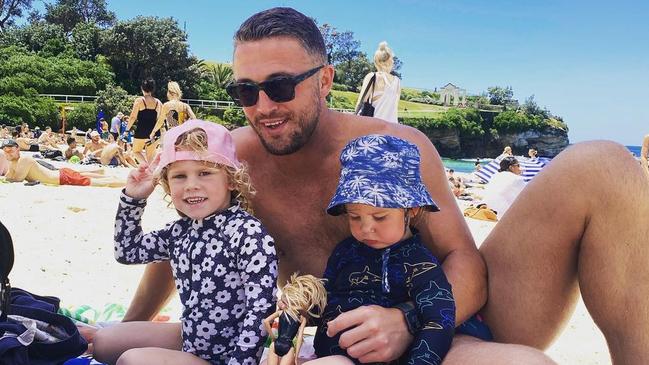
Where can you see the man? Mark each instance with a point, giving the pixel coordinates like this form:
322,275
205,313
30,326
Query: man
116,124
644,154
26,168
48,141
94,147
551,244
533,154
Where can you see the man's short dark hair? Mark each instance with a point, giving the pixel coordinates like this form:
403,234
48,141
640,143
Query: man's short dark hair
71,140
283,22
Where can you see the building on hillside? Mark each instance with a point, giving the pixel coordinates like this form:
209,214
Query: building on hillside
450,94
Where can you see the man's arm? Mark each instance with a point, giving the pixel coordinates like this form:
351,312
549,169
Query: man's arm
18,170
447,235
644,152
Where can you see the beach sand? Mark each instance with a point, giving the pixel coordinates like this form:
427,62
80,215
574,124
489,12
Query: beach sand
63,247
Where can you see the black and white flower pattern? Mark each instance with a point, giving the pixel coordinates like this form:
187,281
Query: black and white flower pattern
225,268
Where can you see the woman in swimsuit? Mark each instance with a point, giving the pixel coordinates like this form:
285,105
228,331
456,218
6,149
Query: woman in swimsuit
145,113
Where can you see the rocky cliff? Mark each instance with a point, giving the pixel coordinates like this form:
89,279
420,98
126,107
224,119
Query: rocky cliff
549,142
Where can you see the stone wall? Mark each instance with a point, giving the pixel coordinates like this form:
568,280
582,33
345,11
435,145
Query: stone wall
549,142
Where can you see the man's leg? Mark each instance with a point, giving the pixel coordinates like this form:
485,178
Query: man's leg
582,223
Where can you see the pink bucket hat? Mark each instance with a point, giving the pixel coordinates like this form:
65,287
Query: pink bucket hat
220,148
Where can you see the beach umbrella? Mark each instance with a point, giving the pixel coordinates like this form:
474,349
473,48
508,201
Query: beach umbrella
530,167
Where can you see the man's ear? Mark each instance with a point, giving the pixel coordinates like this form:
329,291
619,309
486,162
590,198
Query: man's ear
326,80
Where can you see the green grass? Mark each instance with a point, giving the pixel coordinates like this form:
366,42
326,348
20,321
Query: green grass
413,109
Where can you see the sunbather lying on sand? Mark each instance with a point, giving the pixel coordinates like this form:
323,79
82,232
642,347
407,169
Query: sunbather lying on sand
27,168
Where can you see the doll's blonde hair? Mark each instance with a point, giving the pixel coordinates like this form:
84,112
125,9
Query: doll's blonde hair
196,140
304,295
384,58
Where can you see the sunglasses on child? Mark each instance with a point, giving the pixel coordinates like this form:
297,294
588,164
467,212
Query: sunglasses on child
279,89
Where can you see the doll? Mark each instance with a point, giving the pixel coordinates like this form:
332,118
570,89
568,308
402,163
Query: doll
303,297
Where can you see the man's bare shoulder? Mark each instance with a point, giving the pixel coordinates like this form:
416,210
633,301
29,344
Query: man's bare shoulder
245,140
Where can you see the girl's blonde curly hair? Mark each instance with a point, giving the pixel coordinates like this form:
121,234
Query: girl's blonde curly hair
238,178
304,295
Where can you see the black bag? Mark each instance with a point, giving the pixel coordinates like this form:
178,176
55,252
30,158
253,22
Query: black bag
367,109
6,264
52,154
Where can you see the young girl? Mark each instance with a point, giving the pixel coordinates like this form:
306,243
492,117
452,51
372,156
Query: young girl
223,261
384,262
303,297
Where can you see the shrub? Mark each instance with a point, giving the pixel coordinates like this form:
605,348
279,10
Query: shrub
32,110
114,99
235,117
83,116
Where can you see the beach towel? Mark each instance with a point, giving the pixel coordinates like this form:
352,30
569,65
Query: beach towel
481,212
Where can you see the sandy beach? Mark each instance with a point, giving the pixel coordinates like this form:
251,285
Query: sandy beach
63,247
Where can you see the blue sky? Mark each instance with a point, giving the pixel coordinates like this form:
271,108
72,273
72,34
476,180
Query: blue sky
587,61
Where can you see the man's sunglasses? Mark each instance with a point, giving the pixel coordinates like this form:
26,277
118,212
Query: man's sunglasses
279,89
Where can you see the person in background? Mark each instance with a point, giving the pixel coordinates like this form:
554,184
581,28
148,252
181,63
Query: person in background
104,133
533,154
507,151
116,125
174,111
387,87
144,116
72,149
504,187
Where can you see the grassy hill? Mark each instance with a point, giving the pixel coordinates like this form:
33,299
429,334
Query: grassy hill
406,108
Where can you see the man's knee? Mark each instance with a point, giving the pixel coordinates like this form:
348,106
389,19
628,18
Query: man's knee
132,356
470,350
102,346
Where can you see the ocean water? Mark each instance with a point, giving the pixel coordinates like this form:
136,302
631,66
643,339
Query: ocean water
635,150
467,165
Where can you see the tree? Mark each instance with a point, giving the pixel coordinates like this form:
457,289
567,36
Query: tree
500,95
85,41
219,74
10,10
150,47
43,38
532,108
69,13
114,99
351,73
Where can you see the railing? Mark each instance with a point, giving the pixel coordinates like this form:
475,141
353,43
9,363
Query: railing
70,98
214,104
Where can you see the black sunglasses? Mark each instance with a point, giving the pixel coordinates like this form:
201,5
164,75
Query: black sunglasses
279,89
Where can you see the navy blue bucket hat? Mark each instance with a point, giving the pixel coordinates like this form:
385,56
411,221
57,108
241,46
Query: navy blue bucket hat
381,171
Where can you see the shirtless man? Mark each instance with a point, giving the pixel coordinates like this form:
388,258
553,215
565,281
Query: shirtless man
48,140
94,146
26,168
552,243
113,155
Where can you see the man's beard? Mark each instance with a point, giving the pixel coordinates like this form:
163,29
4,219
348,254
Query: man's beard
306,122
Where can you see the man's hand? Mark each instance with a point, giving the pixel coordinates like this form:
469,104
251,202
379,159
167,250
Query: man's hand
372,333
